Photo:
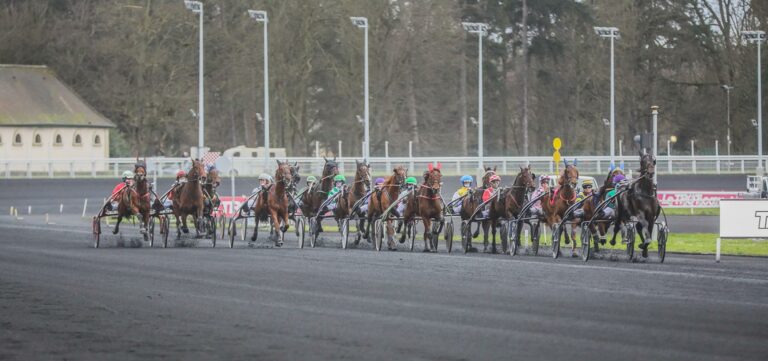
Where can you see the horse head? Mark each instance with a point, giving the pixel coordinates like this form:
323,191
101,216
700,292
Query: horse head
197,172
487,176
363,173
526,179
283,174
330,168
647,164
570,175
399,174
295,176
433,178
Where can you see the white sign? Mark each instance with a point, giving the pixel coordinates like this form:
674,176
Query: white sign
743,218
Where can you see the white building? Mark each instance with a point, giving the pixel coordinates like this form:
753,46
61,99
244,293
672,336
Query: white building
43,122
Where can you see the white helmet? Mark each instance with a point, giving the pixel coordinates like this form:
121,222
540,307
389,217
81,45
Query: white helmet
265,176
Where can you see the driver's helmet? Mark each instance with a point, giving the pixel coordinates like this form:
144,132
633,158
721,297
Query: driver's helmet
587,184
181,173
339,178
466,179
311,179
544,179
127,175
264,176
379,180
209,168
619,178
410,181
495,178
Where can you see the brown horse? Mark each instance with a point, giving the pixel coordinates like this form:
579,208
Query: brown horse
383,198
134,200
472,201
554,204
314,197
510,200
599,229
426,203
278,200
349,197
189,199
639,203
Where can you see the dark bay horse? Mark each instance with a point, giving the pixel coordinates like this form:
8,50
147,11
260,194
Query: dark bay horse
278,199
349,196
134,200
427,203
189,199
473,200
383,198
554,204
318,193
510,200
640,203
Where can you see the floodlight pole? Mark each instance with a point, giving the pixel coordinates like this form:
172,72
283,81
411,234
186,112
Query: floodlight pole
758,37
612,33
261,16
479,29
197,8
362,22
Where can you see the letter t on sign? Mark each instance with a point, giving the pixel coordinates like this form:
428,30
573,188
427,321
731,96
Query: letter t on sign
763,219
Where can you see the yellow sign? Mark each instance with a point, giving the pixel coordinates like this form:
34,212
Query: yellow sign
556,143
556,156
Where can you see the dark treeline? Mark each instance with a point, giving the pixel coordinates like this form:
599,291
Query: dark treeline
136,62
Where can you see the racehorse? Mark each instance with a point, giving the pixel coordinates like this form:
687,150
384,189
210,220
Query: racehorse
314,197
134,200
212,182
472,201
190,200
554,204
639,202
426,203
510,200
383,198
599,229
278,199
349,197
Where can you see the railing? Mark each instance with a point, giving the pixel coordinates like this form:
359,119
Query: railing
167,167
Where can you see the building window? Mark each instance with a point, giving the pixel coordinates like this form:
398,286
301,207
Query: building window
97,140
17,139
38,140
78,139
57,140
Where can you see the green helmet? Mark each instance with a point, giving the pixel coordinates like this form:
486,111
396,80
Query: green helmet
127,174
339,178
311,179
410,180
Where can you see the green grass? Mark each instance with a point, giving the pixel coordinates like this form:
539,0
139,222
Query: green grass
692,211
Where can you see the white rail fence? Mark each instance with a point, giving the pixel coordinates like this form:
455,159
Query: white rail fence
167,167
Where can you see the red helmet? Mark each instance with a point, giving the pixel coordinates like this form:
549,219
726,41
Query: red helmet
495,178
181,173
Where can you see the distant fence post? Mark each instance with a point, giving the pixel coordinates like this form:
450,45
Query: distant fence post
386,155
29,170
410,154
341,162
717,156
693,158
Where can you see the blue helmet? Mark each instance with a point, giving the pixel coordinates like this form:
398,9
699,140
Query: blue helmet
465,179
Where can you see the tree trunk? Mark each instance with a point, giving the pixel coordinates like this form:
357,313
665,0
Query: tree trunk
463,101
525,78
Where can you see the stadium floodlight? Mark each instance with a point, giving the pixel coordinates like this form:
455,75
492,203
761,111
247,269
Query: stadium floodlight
758,37
197,8
612,33
480,29
362,23
260,16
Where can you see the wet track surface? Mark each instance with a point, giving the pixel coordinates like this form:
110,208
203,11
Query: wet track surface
62,299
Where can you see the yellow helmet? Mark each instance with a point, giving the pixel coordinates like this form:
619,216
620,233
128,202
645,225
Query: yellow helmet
587,182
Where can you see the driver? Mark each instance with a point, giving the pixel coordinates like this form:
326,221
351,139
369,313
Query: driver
339,181
181,178
127,181
410,185
265,180
376,186
494,181
536,210
466,185
609,211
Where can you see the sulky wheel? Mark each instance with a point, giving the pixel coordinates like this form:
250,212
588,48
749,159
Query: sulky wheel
151,231
314,231
411,229
535,231
448,235
556,234
96,227
300,230
504,234
214,224
630,234
514,237
378,234
466,237
586,236
344,233
663,236
232,233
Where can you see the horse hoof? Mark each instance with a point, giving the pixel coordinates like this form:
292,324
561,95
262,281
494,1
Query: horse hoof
472,250
601,241
426,250
574,254
613,242
645,252
494,251
401,240
115,231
